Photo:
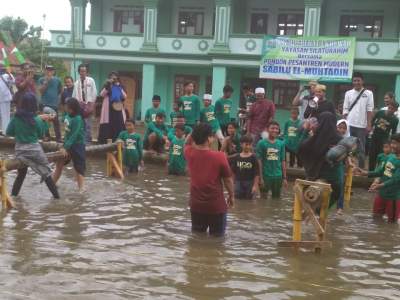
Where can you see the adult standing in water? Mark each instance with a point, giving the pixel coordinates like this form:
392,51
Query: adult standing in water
261,113
112,118
208,206
190,105
86,93
358,109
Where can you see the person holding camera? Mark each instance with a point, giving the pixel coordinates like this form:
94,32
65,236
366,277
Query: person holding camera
303,97
319,104
50,87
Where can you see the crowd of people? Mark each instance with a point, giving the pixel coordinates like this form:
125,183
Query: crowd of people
244,153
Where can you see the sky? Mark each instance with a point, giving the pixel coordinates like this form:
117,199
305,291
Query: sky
58,13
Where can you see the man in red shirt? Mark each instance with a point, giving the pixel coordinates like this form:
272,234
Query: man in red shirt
209,172
261,113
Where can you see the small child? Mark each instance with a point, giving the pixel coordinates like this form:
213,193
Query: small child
292,136
176,159
207,115
271,155
74,143
156,136
387,201
152,112
246,170
383,157
27,128
133,150
180,120
174,114
231,144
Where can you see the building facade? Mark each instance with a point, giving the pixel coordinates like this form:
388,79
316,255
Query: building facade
157,45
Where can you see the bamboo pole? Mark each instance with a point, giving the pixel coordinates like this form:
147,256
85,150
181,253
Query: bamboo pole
348,185
7,202
297,212
119,155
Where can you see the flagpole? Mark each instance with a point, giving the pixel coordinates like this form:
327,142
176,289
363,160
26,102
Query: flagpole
42,53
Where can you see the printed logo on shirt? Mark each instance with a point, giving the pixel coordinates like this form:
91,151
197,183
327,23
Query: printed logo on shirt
292,131
130,144
187,105
272,154
177,150
248,105
66,123
243,165
382,124
153,117
227,108
389,167
210,116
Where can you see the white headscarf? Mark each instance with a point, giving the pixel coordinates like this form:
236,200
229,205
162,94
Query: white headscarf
347,134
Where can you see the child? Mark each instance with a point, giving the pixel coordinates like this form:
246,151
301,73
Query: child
223,108
151,113
387,201
180,120
176,160
271,155
291,135
27,128
132,144
385,123
155,137
207,115
231,144
74,143
173,115
246,170
190,105
383,157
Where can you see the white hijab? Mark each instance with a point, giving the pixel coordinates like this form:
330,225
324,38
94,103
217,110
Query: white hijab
347,134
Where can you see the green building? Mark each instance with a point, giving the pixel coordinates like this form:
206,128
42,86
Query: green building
157,45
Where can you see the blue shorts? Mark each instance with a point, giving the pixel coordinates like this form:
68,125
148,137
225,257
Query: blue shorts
216,223
77,154
243,189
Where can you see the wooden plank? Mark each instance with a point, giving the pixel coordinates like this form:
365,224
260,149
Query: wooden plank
305,244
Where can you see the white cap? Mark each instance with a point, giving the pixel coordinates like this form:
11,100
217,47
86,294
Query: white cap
260,90
207,97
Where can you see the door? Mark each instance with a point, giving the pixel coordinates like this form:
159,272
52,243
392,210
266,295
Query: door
129,84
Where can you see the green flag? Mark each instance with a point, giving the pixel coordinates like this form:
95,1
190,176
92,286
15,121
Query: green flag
18,55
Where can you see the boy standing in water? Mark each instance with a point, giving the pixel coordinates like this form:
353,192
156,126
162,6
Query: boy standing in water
208,206
132,145
190,105
271,155
176,159
152,112
223,108
207,115
387,200
246,170
292,136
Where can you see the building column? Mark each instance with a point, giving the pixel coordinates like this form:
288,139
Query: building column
222,26
96,15
397,87
148,84
218,81
78,17
150,25
312,17
74,68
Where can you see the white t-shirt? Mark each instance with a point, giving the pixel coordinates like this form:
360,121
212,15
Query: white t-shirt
358,115
5,93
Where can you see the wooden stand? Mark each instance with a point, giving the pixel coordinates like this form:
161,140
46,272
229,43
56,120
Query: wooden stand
6,200
347,186
310,196
114,164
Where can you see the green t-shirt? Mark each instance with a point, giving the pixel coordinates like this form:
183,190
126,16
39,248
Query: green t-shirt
223,109
74,131
390,176
151,113
207,115
173,116
159,129
177,162
191,109
171,132
133,149
25,133
384,125
381,160
271,156
292,134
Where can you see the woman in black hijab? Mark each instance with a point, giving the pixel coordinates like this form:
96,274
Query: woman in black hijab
313,150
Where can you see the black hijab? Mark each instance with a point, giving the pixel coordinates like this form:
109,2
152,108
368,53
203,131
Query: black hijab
28,108
313,150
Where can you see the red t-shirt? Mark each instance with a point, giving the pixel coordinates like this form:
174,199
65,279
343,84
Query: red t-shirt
206,169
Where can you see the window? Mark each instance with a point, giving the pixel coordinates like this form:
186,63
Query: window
180,81
191,23
290,24
283,92
361,26
130,21
259,23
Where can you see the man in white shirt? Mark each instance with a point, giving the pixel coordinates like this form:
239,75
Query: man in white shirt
6,82
358,109
304,95
86,93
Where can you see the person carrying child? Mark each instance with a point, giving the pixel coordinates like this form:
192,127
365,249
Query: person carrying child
246,170
27,129
207,115
133,148
74,143
387,200
156,136
292,136
176,159
272,161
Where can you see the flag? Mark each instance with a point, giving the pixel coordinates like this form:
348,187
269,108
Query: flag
18,55
4,57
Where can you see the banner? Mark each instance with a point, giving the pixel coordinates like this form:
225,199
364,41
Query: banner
329,59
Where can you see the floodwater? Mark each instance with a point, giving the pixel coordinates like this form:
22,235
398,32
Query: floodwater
132,240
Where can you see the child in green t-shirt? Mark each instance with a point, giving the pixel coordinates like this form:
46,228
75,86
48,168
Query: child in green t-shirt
176,160
190,105
132,145
292,136
383,157
271,155
151,113
223,108
156,135
207,115
174,114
